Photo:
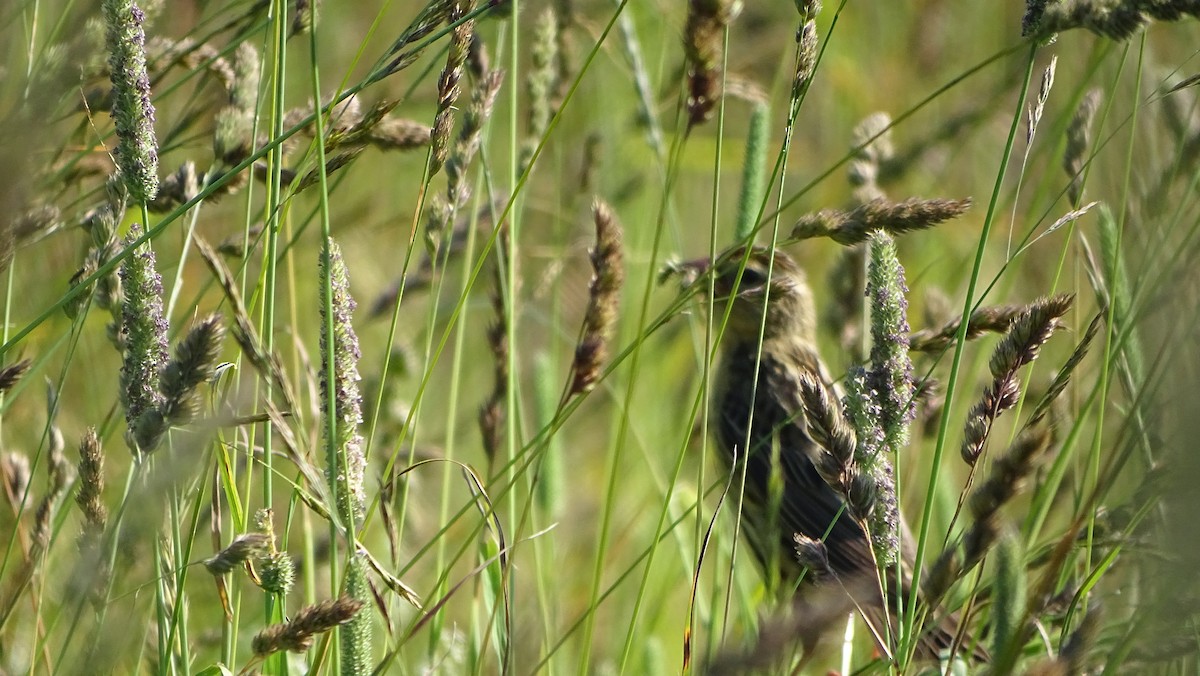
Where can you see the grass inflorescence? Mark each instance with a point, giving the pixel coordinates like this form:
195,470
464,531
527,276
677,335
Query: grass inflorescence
511,451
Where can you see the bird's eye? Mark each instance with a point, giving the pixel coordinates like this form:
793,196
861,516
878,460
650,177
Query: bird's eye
752,278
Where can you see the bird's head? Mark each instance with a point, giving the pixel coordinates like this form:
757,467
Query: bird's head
766,278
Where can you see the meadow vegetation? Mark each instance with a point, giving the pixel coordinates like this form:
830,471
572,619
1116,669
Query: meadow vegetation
351,337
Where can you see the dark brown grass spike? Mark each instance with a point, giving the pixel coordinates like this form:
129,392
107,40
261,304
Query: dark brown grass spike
12,374
297,635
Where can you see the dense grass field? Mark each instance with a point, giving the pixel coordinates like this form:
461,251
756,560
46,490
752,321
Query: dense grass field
370,338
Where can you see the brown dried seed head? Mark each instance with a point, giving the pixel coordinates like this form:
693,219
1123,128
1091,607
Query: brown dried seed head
91,482
297,635
702,43
398,134
941,575
991,319
60,475
239,551
1008,472
1064,374
1078,141
11,375
470,134
826,423
195,357
853,227
448,85
604,296
1029,331
813,554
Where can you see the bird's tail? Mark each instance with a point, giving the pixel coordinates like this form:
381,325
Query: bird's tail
936,640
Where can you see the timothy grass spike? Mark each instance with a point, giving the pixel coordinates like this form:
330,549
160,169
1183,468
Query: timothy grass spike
132,111
144,336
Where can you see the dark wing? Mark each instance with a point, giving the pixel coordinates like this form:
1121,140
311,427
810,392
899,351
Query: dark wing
807,504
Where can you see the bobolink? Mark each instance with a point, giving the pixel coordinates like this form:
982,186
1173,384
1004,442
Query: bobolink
760,425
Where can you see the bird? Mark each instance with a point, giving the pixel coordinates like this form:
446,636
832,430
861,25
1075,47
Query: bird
768,346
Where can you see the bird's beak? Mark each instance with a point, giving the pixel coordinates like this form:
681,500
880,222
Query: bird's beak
694,269
687,272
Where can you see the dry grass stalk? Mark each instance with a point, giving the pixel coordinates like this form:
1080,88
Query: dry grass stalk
1034,114
604,297
91,570
163,53
178,400
1020,346
491,414
1005,480
703,45
35,222
470,135
448,84
434,15
59,476
177,188
1079,140
244,548
1008,474
90,497
398,134
332,164
853,227
267,363
100,223
234,124
297,634
443,211
1064,374
991,319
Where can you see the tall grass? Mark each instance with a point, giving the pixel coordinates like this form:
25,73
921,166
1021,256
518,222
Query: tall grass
500,462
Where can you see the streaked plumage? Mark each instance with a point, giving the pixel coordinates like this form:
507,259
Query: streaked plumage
767,414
